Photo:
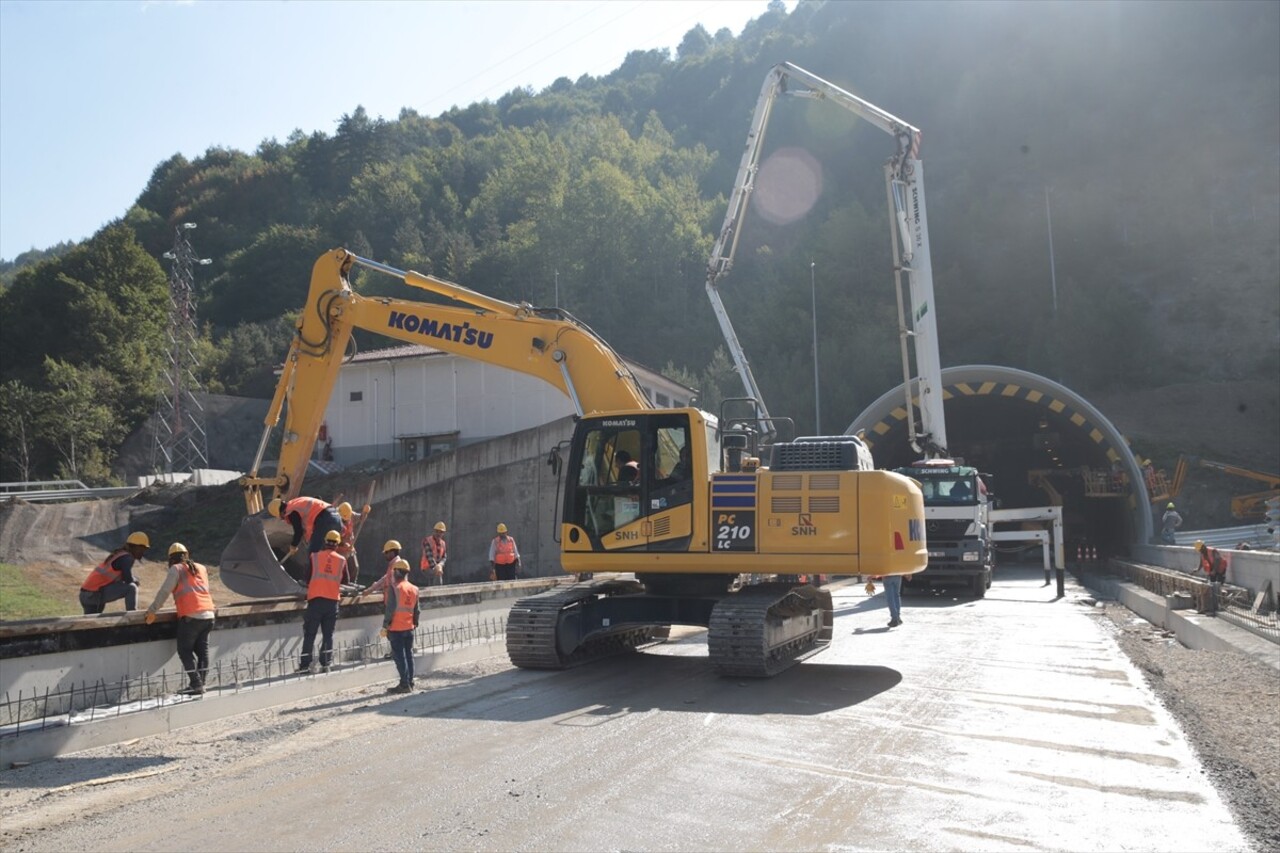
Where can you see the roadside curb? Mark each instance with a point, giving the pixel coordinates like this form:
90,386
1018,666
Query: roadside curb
66,739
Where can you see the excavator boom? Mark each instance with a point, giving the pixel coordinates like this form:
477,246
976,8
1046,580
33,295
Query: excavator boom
542,342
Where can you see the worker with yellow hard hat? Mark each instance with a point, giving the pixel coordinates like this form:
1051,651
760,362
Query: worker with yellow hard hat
504,556
188,581
351,523
434,552
391,550
324,590
1169,523
399,621
113,579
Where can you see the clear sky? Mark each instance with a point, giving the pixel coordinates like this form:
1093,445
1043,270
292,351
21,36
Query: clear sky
94,94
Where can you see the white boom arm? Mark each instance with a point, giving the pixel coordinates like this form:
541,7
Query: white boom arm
909,232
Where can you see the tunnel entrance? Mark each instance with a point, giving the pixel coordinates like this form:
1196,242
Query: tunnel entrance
1041,443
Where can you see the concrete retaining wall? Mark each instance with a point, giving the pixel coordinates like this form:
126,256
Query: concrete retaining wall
472,489
247,636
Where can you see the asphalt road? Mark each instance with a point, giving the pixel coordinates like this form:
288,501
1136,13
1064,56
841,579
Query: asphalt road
1011,723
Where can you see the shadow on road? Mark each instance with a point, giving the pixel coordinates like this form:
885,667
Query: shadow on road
643,682
75,770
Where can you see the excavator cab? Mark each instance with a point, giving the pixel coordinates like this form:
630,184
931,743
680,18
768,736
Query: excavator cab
631,481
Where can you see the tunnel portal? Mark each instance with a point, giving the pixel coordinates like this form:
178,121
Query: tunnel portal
1041,444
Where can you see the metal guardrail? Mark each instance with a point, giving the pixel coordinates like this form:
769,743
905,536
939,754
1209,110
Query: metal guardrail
1227,537
38,491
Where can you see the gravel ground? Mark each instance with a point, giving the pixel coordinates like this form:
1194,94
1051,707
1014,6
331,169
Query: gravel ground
1228,704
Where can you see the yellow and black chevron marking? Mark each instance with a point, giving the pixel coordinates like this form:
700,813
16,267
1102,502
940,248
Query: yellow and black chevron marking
894,420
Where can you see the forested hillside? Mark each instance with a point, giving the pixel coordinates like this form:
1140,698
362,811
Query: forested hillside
1150,132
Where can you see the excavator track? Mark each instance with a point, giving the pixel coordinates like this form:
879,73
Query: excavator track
533,628
764,629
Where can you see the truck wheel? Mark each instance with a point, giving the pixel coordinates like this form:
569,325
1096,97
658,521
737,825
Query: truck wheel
980,586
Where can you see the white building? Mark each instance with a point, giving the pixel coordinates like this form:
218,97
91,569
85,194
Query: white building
408,402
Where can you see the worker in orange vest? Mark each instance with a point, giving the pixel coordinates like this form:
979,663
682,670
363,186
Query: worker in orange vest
189,583
399,621
324,588
504,556
391,551
113,578
348,548
1212,563
311,518
434,552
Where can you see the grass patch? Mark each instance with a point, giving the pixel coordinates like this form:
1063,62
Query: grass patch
21,599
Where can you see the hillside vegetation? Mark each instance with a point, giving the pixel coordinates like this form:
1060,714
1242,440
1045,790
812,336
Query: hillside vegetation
1148,131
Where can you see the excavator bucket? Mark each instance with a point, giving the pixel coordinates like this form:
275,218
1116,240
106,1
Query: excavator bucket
250,567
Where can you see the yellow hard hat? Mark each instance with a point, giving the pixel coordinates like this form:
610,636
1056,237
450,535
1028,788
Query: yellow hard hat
391,545
138,538
333,536
1199,546
1170,506
400,565
344,510
275,507
177,548
502,528
440,528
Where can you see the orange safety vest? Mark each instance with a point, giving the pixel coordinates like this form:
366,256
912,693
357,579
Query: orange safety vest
436,547
504,550
104,573
191,595
309,509
327,568
406,604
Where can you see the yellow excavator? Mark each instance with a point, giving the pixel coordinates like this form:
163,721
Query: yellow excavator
691,512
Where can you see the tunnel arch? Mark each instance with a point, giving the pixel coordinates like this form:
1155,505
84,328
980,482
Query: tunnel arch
1010,423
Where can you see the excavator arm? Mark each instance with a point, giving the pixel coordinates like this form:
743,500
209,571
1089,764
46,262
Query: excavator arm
547,343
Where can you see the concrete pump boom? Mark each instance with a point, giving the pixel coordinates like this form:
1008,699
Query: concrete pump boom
909,233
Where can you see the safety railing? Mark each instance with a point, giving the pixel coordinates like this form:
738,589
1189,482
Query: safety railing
85,702
36,491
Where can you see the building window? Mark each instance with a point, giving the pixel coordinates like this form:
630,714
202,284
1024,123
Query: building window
357,396
677,404
662,400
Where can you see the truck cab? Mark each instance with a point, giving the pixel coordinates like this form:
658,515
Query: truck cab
957,507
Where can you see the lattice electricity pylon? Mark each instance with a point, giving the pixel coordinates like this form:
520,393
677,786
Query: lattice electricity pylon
181,443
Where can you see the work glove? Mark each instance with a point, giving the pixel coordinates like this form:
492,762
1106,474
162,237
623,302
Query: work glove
151,617
383,633
288,555
364,510
871,588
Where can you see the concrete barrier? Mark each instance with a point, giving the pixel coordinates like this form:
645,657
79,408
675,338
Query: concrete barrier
1252,570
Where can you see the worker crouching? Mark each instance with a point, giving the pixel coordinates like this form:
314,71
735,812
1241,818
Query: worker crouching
113,578
399,621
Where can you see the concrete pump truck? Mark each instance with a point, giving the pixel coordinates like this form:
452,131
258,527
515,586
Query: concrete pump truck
701,513
955,497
